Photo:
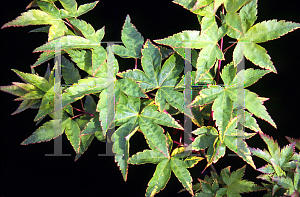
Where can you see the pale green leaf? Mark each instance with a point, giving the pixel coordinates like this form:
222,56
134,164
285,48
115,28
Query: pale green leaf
258,56
69,5
269,30
67,42
35,80
82,9
31,17
234,5
147,156
248,14
160,178
182,174
132,39
14,90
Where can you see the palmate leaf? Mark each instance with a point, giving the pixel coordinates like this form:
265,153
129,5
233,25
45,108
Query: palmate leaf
163,79
132,40
165,165
234,185
132,115
128,87
207,41
240,28
224,97
280,160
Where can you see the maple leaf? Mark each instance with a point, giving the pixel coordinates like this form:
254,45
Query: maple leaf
224,98
163,78
166,164
132,115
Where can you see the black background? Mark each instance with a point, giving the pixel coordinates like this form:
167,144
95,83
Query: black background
25,171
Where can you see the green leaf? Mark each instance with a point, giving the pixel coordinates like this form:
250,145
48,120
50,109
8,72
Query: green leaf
69,5
14,90
250,76
253,104
67,42
73,134
164,79
35,80
130,115
182,174
86,29
85,142
31,95
268,30
121,139
286,153
234,21
206,137
160,178
248,14
180,39
82,9
92,126
234,5
131,88
44,57
85,86
31,17
147,156
291,140
285,182
228,74
132,40
235,184
234,140
46,132
69,72
25,105
262,154
273,147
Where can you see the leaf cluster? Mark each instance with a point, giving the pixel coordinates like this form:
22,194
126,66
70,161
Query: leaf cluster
146,98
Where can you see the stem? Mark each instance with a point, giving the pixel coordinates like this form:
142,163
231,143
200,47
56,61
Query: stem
74,28
77,116
83,112
229,47
135,66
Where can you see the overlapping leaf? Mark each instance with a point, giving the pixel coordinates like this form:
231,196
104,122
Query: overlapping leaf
166,165
223,98
208,137
207,41
131,115
161,78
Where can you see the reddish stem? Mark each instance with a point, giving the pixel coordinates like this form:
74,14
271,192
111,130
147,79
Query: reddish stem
83,112
135,66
